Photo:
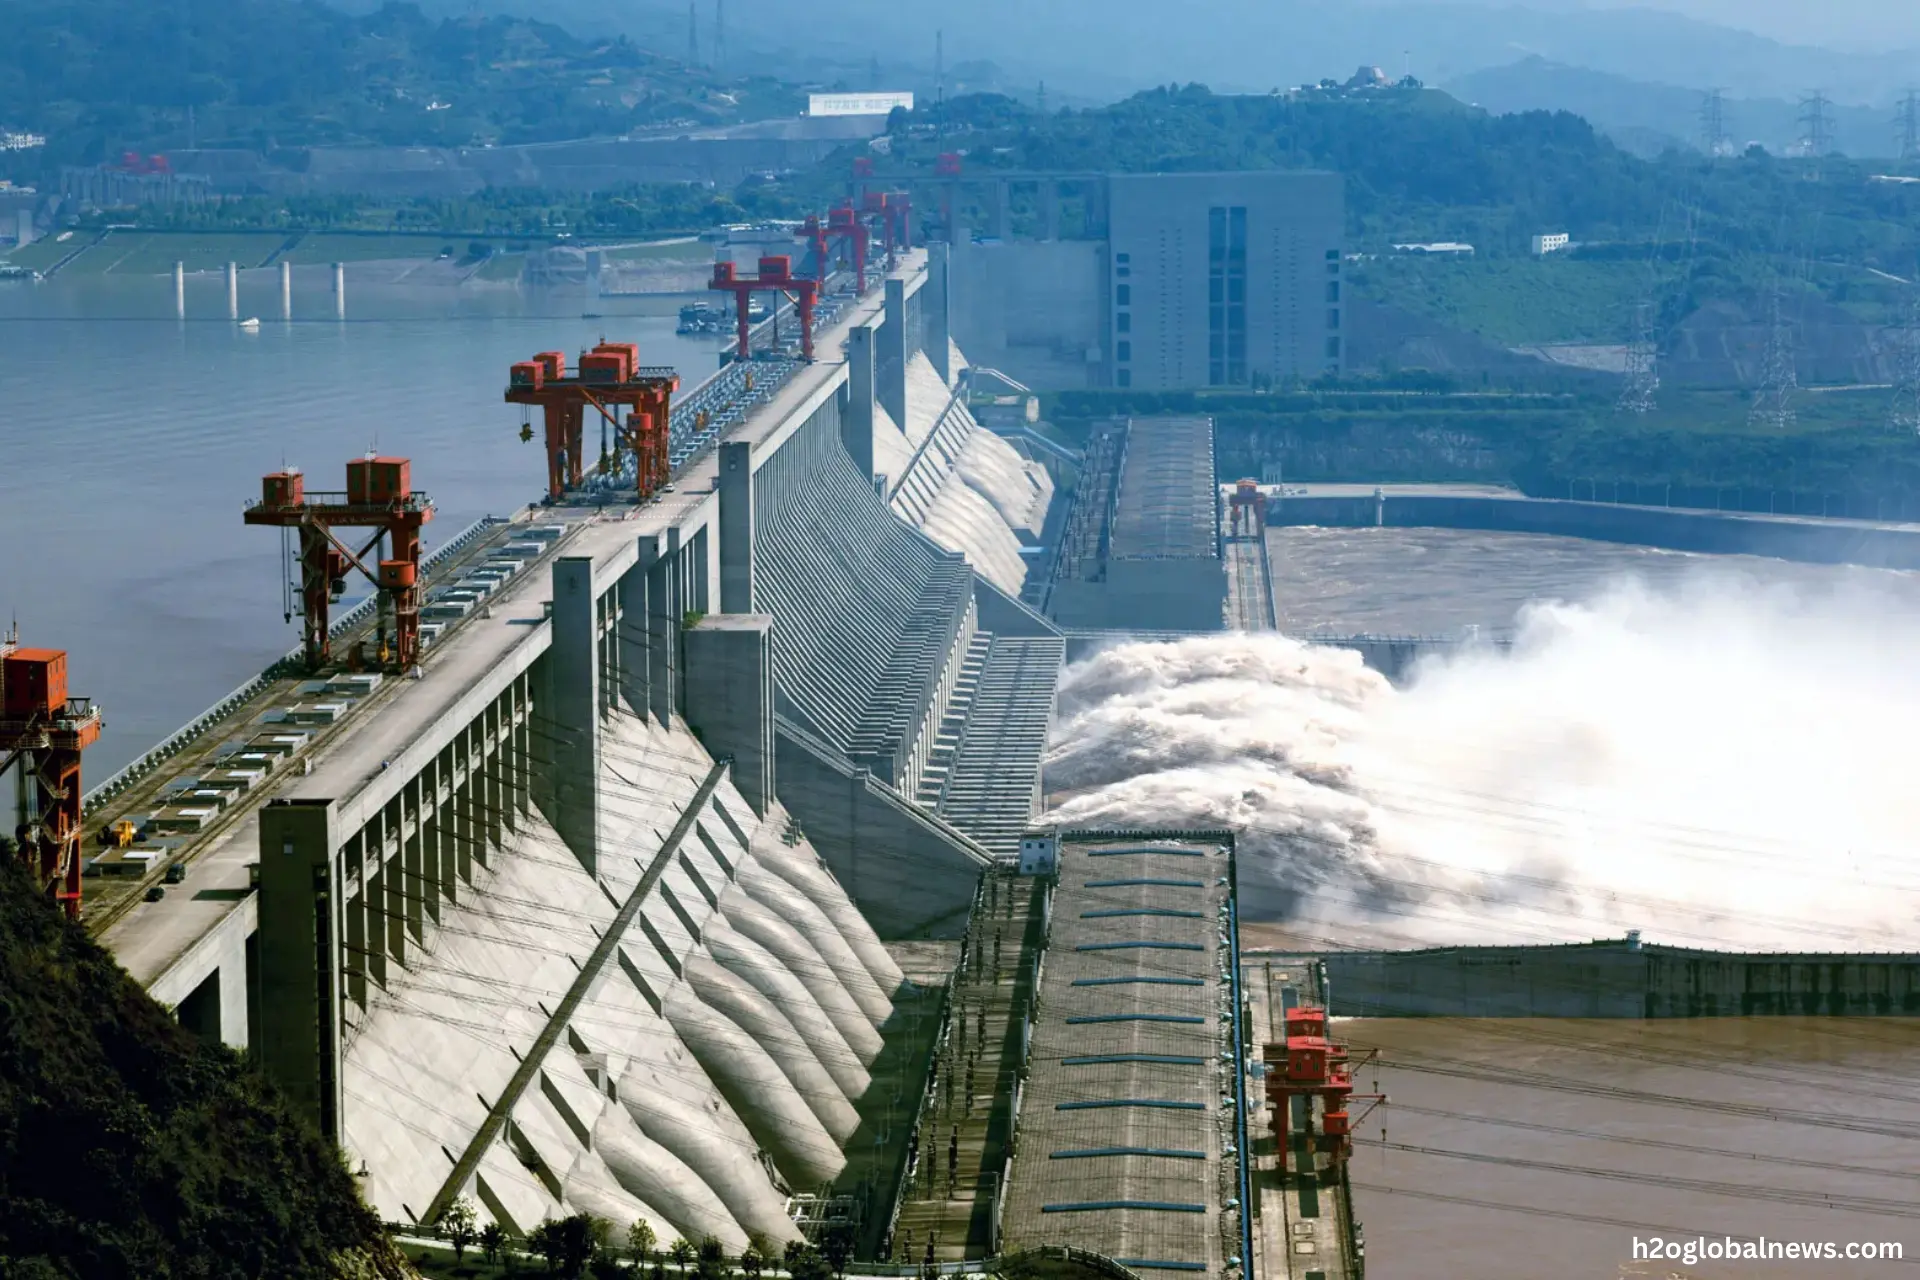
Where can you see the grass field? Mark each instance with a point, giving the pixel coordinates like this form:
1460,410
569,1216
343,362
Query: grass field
319,247
1512,301
690,250
43,253
502,266
133,253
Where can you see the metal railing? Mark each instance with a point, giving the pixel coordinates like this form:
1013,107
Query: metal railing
167,748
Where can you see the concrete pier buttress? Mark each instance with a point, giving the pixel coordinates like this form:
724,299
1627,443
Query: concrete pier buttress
299,941
934,306
657,555
893,353
572,717
857,424
632,641
736,526
729,677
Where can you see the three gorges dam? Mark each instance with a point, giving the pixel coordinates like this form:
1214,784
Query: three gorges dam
576,871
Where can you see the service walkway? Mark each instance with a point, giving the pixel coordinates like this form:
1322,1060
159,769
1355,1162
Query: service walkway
1303,1226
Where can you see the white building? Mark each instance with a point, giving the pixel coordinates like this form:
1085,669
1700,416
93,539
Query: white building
1544,245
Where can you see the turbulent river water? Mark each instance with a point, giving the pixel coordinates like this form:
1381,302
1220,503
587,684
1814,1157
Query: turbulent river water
1711,750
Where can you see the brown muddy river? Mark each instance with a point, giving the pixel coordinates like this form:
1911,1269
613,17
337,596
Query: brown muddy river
1540,1150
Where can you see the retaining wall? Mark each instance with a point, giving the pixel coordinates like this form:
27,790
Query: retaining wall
1618,980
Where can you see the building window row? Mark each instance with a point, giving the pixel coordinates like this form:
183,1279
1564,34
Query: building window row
1226,295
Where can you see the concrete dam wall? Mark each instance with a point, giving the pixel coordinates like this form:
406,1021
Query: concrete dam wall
738,1016
1617,979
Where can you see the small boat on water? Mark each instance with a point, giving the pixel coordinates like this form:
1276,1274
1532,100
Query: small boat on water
250,324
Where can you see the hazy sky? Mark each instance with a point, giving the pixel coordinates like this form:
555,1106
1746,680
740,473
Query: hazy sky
1874,26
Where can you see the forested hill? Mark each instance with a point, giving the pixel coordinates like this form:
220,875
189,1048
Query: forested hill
128,1147
101,76
1420,165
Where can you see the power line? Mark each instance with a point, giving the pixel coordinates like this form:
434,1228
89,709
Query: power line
1904,414
1816,122
1643,363
1713,124
1773,399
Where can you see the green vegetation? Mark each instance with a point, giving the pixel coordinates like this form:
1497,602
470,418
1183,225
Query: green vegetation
128,1147
1512,301
1421,166
102,76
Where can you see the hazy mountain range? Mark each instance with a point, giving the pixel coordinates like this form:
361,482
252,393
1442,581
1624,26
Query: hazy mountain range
1647,117
1108,48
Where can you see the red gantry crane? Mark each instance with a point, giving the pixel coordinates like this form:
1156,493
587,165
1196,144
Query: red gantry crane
815,236
843,223
44,731
1307,1063
1248,509
609,376
776,273
379,496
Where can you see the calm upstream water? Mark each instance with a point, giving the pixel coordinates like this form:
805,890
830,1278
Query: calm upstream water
1541,1149
129,442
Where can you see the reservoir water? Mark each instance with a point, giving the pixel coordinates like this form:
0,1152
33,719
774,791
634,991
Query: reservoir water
129,442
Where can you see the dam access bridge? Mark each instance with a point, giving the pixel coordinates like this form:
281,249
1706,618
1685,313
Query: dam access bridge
589,913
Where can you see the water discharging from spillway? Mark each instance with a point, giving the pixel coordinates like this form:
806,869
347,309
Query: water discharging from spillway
1717,762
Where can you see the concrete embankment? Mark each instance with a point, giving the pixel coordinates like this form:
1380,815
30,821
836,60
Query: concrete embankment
1618,979
1815,541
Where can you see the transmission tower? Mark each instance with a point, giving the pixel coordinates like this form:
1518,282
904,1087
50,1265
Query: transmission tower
1773,399
1643,363
719,35
1713,123
693,35
940,80
1905,415
1816,121
1907,124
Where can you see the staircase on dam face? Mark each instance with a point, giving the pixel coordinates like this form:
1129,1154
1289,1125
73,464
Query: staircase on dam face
1010,712
946,740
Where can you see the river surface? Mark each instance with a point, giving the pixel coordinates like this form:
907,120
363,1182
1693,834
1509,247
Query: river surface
1542,1149
1439,582
130,440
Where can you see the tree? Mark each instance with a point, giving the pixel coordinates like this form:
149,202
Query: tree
640,1239
492,1240
681,1252
752,1262
713,1258
836,1246
457,1221
567,1245
793,1252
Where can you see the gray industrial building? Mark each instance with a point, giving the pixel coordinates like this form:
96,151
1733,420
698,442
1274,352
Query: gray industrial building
1170,280
1141,548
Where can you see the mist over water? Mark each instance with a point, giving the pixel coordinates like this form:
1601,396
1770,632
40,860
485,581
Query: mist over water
1718,761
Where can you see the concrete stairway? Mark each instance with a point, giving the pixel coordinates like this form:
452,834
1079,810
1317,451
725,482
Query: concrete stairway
866,611
953,725
1006,733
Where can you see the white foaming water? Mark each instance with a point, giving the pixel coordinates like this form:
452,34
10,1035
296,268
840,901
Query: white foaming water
1718,763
